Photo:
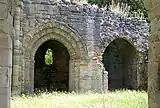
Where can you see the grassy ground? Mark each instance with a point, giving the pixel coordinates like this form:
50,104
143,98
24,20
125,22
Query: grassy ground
117,99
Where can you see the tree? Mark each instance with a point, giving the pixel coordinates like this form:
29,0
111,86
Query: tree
135,5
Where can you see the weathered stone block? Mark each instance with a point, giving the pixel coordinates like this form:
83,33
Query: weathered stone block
156,48
4,57
4,90
4,40
3,10
85,85
4,99
4,77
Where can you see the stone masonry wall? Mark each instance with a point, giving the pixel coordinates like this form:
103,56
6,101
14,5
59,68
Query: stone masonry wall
5,31
93,28
34,13
6,47
133,30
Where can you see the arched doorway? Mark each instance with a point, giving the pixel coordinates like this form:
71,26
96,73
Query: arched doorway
43,33
119,60
51,71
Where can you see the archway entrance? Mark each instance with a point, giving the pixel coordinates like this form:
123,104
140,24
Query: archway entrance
51,70
119,60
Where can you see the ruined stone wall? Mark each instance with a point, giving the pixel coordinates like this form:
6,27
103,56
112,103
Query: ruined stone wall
133,30
81,19
83,29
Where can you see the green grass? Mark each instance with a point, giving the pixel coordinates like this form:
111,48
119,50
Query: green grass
116,99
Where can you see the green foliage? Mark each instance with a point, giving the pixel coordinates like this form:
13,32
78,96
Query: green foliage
48,57
100,3
135,5
124,10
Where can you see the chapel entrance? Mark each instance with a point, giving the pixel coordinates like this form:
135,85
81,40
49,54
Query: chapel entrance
119,60
51,72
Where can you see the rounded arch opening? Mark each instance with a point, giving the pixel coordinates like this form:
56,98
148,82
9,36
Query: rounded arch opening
41,34
119,60
51,68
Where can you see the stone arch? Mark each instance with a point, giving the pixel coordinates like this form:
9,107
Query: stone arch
125,37
119,59
141,64
63,31
73,50
51,31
